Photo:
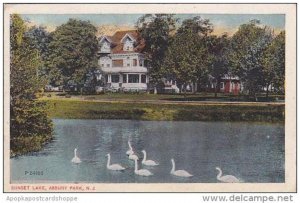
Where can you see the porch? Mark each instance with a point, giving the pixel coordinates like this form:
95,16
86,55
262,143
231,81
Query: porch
127,81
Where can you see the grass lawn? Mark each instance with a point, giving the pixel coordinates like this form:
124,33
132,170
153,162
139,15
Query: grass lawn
73,108
158,97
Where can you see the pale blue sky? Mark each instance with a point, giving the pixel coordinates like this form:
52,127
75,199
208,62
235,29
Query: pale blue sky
224,20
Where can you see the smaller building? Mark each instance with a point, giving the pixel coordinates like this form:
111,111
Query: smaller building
230,84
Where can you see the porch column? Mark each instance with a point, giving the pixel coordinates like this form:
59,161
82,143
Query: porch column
140,77
120,79
127,78
109,78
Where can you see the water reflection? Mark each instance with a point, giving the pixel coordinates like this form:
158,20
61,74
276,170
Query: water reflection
253,152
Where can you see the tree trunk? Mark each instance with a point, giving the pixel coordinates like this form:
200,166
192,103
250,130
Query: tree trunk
180,89
267,93
193,88
155,90
216,93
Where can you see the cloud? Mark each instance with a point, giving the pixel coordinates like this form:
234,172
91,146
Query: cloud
110,29
219,30
48,28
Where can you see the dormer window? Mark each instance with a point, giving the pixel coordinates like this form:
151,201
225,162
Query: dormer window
128,42
128,45
105,44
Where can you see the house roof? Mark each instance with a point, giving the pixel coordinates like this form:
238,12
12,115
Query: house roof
105,37
118,36
117,45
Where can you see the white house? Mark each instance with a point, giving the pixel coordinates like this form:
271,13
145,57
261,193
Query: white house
122,62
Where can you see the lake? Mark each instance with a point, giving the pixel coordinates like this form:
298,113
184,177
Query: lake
253,152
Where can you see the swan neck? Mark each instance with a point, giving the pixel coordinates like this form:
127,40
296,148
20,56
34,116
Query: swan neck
220,173
129,146
75,152
173,166
108,161
135,165
145,155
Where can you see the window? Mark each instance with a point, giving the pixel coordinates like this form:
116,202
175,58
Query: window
141,63
117,63
102,65
106,78
143,78
115,78
222,85
108,65
124,78
134,62
128,64
133,78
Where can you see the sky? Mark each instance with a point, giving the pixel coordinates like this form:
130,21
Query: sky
220,21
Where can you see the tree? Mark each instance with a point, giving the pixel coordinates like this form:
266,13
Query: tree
247,47
218,63
72,52
187,59
156,30
274,63
196,25
28,116
40,40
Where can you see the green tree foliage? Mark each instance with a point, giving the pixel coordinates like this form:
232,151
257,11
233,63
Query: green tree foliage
28,117
72,52
218,62
248,45
186,60
197,25
187,56
156,30
274,63
40,40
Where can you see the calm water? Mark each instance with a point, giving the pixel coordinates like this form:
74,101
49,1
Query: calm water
250,151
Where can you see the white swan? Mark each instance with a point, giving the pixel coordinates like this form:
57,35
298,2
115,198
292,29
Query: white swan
227,178
76,159
181,173
130,151
148,162
133,157
113,167
141,172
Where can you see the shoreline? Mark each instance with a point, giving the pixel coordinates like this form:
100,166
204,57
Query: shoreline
67,108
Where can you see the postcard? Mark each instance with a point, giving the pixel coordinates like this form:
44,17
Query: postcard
149,98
